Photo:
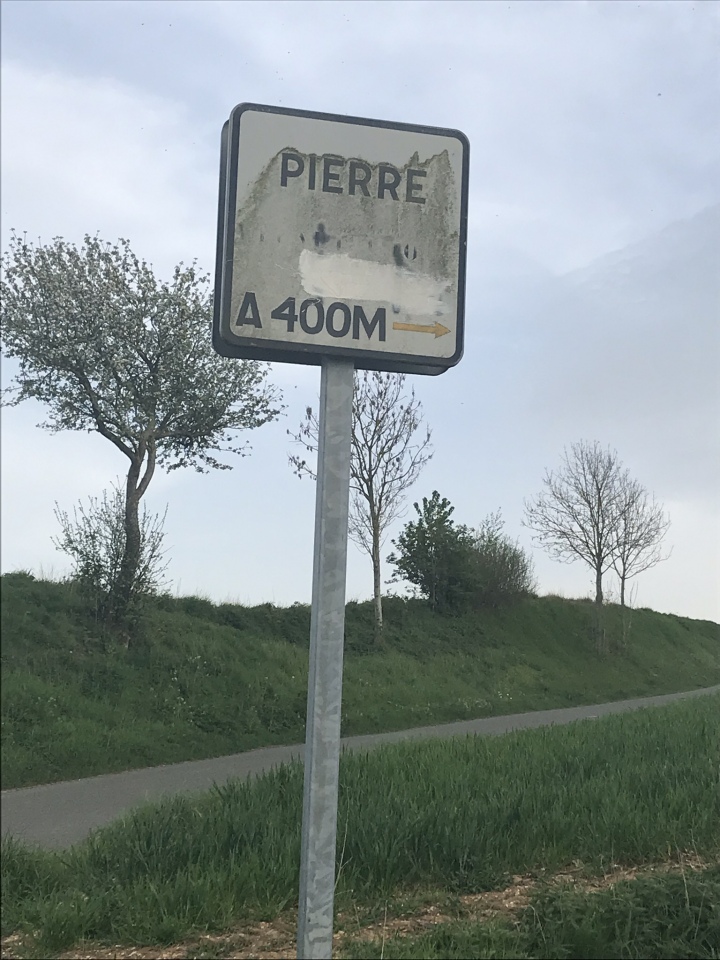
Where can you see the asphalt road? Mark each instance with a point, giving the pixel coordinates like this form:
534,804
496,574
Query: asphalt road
57,815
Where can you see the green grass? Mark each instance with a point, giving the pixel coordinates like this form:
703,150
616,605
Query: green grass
209,680
666,917
461,815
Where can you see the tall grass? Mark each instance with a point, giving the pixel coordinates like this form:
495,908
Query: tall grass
461,814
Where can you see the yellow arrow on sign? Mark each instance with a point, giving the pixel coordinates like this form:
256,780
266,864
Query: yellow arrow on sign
437,328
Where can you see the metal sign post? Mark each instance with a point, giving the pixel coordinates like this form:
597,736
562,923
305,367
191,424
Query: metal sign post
342,243
327,630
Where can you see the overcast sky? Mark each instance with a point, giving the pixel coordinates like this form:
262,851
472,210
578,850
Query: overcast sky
593,300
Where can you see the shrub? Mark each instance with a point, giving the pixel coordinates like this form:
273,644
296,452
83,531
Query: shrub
434,555
501,570
456,567
95,541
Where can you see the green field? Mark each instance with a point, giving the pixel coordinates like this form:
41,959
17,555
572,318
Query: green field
208,680
452,817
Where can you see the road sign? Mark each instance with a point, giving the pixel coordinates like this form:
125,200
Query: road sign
341,242
341,237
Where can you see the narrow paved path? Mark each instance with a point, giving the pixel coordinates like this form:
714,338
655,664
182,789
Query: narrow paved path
60,814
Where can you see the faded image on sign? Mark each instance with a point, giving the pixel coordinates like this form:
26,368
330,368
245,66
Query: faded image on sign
342,237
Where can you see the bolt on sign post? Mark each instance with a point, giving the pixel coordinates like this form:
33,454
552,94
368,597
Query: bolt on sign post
341,243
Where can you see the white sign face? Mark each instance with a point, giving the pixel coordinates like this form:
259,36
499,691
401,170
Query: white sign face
341,237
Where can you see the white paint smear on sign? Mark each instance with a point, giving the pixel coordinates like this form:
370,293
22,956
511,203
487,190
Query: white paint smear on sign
339,275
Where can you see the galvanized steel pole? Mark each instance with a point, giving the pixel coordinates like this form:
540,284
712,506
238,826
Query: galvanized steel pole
327,629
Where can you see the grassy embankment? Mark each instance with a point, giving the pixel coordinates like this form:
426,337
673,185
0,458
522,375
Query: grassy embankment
218,679
419,823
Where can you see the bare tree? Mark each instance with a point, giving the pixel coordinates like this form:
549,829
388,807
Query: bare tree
576,516
110,349
641,527
390,446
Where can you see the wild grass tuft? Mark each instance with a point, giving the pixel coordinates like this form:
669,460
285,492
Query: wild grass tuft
668,917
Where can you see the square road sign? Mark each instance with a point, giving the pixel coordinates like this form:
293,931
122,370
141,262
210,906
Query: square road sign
340,236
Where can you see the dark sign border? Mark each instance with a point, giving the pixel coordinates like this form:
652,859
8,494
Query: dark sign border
229,344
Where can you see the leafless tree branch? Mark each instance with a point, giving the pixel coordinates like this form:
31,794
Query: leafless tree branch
390,446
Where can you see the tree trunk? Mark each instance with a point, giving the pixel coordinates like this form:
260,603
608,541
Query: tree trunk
131,552
598,585
377,596
626,613
135,487
599,612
